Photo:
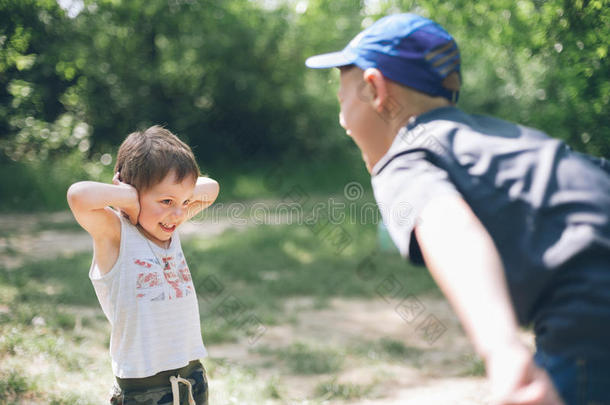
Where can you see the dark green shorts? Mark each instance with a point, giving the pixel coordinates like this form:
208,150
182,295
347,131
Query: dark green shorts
157,389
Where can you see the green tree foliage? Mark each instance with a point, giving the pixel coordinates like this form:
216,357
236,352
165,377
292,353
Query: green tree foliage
543,63
36,76
229,75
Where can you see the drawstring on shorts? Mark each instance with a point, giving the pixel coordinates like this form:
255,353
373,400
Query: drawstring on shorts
151,389
176,389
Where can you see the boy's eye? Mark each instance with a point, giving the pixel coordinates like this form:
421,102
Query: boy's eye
187,202
166,202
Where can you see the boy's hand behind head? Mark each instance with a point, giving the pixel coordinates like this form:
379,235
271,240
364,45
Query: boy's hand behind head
131,212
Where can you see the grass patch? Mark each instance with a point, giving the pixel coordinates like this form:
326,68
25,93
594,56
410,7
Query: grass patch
395,348
47,283
333,390
301,358
254,270
60,344
235,384
216,331
57,225
14,386
32,342
474,366
248,273
10,250
263,265
273,388
387,349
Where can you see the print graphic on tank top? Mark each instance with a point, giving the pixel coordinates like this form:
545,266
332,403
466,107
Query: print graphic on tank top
156,282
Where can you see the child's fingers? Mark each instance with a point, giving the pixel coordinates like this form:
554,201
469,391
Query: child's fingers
115,179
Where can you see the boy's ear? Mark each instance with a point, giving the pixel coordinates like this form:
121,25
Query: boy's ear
378,86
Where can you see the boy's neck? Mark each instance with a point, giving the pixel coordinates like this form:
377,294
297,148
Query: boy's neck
386,137
163,244
414,104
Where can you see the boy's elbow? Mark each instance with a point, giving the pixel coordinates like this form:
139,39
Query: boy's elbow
215,189
206,190
212,188
71,193
74,195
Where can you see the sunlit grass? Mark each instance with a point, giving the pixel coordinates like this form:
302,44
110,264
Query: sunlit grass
331,389
386,350
13,384
237,384
264,265
54,337
303,358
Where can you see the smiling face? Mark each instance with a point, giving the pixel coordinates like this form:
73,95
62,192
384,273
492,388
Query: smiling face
163,207
358,115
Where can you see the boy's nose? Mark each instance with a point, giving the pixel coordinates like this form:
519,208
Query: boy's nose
179,212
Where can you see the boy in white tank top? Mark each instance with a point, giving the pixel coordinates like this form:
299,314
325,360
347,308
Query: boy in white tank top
139,272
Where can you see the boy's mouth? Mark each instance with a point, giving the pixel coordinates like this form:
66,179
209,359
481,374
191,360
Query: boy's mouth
168,227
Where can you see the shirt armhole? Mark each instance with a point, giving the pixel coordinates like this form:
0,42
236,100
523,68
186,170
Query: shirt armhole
415,254
94,273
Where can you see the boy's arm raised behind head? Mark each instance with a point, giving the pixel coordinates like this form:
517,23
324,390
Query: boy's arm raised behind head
205,193
90,202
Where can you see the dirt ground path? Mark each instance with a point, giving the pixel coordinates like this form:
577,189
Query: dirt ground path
440,373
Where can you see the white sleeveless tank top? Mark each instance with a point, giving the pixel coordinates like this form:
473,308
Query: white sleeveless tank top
149,298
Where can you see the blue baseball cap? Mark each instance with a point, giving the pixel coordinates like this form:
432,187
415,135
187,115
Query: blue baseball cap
407,48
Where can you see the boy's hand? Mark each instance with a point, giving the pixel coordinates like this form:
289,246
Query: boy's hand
133,210
205,193
516,380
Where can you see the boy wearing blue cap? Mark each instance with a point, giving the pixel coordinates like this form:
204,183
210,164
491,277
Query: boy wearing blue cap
512,224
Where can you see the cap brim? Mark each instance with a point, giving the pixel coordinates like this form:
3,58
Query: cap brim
329,60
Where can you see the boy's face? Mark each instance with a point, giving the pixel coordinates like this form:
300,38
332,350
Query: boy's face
163,207
357,114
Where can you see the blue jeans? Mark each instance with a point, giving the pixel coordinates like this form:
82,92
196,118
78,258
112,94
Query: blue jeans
580,380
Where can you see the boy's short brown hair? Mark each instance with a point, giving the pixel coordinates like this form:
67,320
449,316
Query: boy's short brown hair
146,157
